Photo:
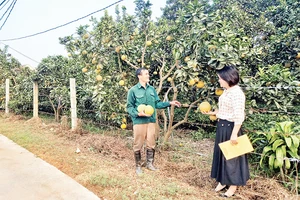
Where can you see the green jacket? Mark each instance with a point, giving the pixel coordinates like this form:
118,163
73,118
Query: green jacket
139,95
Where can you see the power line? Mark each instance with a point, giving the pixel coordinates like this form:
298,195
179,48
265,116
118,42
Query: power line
8,13
6,10
20,53
51,29
4,4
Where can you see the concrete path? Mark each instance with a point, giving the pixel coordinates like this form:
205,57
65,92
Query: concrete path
24,176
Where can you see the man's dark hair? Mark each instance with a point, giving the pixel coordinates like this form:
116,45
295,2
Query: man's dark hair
139,71
229,74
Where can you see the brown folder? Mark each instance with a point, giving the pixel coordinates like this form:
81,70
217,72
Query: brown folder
231,151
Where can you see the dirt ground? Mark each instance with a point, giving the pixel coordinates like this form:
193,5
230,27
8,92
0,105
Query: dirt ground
104,163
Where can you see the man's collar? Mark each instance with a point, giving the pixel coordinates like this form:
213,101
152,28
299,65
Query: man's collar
140,85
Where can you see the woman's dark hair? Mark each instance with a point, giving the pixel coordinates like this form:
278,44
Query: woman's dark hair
229,74
139,71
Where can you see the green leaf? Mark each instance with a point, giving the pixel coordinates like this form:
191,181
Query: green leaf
295,140
291,153
288,141
276,164
266,149
271,161
274,138
287,163
279,157
276,144
288,127
283,148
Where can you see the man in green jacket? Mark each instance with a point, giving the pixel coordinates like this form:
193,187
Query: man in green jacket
144,124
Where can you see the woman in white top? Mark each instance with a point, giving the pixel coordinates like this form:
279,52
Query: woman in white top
230,114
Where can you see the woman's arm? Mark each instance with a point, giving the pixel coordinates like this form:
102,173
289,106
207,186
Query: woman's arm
234,134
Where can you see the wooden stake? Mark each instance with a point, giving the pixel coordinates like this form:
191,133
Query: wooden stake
7,96
35,99
73,103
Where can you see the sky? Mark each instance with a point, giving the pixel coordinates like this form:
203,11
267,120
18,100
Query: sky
33,16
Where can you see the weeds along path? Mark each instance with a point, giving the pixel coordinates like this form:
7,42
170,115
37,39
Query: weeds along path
105,163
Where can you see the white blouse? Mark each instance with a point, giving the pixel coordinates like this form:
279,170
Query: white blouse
232,105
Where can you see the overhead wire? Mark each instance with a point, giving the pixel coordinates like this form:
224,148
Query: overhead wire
4,4
7,10
51,29
20,53
8,14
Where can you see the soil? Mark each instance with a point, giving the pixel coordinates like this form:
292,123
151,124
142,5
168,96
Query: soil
184,165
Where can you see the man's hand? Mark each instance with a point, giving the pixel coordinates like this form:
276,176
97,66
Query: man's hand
142,114
175,103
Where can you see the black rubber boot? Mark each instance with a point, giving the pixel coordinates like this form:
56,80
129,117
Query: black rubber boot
150,159
137,156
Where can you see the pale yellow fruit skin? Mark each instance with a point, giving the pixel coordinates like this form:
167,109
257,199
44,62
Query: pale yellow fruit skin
213,117
200,84
99,78
141,108
219,92
149,110
84,70
148,43
205,107
121,82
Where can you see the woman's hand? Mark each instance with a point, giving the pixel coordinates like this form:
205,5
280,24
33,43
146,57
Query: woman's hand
233,139
234,134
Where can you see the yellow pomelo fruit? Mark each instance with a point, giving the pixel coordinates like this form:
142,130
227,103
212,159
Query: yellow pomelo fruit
205,107
124,57
123,126
124,120
141,108
94,61
86,36
84,70
97,71
155,72
99,66
219,92
99,78
148,43
200,84
169,79
149,110
118,49
169,38
186,59
121,82
213,117
84,52
192,82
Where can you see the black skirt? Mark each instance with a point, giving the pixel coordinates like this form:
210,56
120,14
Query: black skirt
228,172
